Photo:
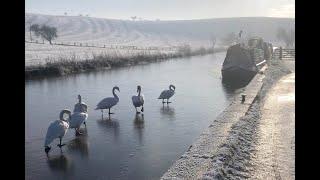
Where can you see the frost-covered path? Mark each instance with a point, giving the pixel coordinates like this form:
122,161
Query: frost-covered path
275,149
255,141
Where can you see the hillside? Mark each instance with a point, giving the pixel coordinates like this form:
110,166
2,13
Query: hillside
100,31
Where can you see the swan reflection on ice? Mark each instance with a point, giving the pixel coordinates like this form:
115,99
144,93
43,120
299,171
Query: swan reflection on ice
167,110
60,163
139,121
139,126
79,145
110,124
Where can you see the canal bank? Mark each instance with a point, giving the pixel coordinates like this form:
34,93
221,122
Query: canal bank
106,61
224,149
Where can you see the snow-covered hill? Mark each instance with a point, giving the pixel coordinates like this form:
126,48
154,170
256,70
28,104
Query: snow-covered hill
107,32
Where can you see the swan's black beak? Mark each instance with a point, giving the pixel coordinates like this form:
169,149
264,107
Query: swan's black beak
47,149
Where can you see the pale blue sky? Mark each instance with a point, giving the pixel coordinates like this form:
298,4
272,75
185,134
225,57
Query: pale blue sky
164,9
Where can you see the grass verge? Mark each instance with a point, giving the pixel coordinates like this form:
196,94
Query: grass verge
64,66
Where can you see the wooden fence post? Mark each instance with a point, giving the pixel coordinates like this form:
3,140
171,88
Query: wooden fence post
280,56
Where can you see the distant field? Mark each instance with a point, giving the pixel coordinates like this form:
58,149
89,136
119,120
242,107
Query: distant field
40,53
100,32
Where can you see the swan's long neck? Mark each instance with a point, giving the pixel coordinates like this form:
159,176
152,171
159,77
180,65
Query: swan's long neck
139,92
62,113
114,94
79,99
85,107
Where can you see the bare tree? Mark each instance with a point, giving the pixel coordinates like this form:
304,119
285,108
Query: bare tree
288,37
28,22
229,38
134,18
45,32
292,36
249,36
34,28
240,33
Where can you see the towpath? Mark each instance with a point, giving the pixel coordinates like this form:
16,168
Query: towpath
275,155
254,140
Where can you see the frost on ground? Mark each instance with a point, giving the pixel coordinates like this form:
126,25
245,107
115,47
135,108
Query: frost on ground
233,157
99,32
249,151
146,33
274,155
41,53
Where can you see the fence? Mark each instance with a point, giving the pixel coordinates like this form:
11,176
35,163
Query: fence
77,44
284,54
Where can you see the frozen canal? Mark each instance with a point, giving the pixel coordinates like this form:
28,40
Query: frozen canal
127,147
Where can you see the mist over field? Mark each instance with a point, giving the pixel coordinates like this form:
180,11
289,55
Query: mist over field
142,33
90,29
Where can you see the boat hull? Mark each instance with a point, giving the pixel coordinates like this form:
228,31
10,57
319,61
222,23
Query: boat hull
237,76
239,67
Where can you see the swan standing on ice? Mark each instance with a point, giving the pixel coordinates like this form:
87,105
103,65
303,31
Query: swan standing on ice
57,129
138,100
109,102
81,107
78,107
77,118
167,94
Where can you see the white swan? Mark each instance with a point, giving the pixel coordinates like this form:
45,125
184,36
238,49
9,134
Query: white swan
167,94
78,107
76,120
81,107
57,129
138,100
109,102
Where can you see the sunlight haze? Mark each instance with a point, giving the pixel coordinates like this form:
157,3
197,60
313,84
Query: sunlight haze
164,9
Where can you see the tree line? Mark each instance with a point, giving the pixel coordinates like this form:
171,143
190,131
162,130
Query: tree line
287,36
284,35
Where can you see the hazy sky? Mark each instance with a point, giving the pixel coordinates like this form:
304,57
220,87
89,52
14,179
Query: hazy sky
164,9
